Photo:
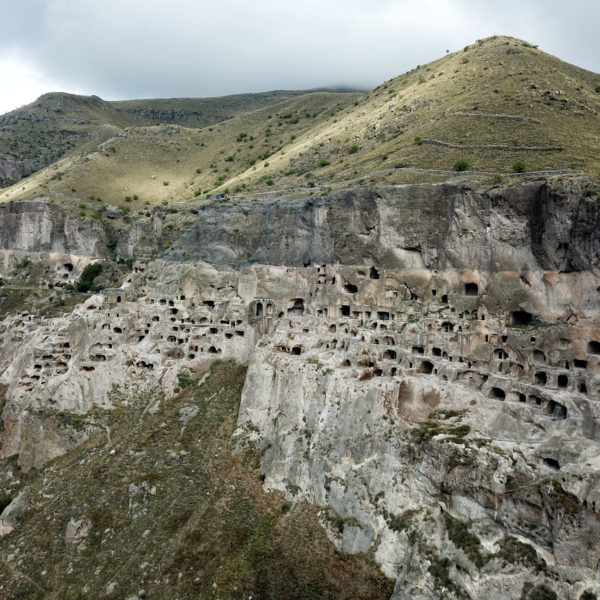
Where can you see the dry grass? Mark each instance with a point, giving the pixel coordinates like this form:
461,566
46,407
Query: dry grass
500,92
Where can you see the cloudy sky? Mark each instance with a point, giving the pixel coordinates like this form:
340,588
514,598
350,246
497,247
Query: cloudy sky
121,49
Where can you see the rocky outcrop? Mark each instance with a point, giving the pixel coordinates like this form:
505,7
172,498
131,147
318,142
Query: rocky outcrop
39,226
46,232
12,170
541,224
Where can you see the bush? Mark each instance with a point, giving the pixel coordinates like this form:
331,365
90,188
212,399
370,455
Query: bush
323,162
519,166
461,165
88,275
165,183
353,149
23,263
418,139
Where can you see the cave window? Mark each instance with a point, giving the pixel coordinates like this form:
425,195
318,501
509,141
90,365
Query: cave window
389,354
298,307
552,463
580,364
497,393
445,299
471,289
563,381
541,378
594,347
259,309
374,273
345,310
521,317
351,288
426,367
557,411
582,388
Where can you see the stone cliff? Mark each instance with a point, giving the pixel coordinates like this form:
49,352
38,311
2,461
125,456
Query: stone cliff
550,225
423,364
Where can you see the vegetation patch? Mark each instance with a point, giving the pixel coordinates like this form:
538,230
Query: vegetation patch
462,538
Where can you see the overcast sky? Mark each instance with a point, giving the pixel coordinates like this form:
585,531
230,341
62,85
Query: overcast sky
120,49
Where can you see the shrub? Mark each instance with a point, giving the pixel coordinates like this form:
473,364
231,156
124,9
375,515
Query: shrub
23,263
421,79
165,183
197,192
88,275
353,149
519,166
418,139
461,165
323,162
498,178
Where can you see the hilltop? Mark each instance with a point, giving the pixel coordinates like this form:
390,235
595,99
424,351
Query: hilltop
495,108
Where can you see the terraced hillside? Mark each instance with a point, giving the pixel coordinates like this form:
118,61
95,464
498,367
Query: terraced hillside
496,108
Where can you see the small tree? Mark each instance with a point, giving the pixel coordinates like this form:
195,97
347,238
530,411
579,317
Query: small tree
88,275
519,166
461,165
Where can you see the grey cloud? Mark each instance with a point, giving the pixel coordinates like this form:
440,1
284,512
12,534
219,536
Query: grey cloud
135,48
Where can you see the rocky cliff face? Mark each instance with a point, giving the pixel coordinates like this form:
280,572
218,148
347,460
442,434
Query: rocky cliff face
550,225
423,363
13,170
49,233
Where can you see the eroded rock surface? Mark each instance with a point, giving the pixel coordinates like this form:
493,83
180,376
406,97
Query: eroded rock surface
424,363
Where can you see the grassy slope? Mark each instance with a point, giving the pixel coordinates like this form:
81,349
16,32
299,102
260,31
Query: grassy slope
207,523
498,92
140,160
57,123
490,78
